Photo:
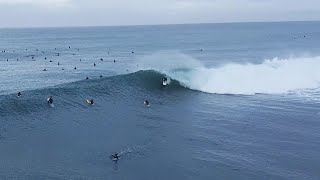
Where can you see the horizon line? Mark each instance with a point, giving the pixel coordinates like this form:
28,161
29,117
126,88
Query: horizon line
160,24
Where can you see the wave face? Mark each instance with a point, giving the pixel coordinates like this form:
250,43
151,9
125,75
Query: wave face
274,76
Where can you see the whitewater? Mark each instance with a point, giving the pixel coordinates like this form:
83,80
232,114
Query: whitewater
275,76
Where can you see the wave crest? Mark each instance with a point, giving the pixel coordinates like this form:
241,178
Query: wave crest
274,76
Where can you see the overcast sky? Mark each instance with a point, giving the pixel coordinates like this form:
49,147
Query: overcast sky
48,13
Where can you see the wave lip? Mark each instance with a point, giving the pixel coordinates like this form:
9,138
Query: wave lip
276,76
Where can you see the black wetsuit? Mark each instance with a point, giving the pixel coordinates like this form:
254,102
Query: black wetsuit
116,156
50,101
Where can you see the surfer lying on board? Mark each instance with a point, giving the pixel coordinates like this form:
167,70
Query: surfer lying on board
90,101
19,94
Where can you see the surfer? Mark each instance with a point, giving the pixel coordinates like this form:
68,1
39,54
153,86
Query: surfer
94,64
114,61
75,68
19,94
164,81
146,102
87,77
45,69
115,156
91,101
101,59
50,100
58,64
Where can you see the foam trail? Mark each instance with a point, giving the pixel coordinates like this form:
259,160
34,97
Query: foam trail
274,76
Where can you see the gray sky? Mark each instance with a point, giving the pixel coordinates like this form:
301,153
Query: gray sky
48,13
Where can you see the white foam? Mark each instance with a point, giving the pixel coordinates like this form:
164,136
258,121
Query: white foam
274,76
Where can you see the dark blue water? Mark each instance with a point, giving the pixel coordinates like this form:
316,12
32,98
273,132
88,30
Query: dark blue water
243,102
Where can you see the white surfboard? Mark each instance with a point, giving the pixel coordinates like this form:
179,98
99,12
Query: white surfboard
164,83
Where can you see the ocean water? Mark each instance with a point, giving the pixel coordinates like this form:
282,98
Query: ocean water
243,102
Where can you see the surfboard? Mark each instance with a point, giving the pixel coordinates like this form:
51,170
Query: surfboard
164,83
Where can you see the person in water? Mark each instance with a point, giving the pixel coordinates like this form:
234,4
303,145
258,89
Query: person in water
87,77
115,156
19,94
165,79
94,64
146,102
91,101
50,100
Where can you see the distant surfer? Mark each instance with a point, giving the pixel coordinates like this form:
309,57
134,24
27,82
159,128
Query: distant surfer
19,94
75,68
45,58
94,64
90,101
45,69
50,100
58,64
87,77
146,102
50,61
115,156
101,76
164,81
101,59
114,61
